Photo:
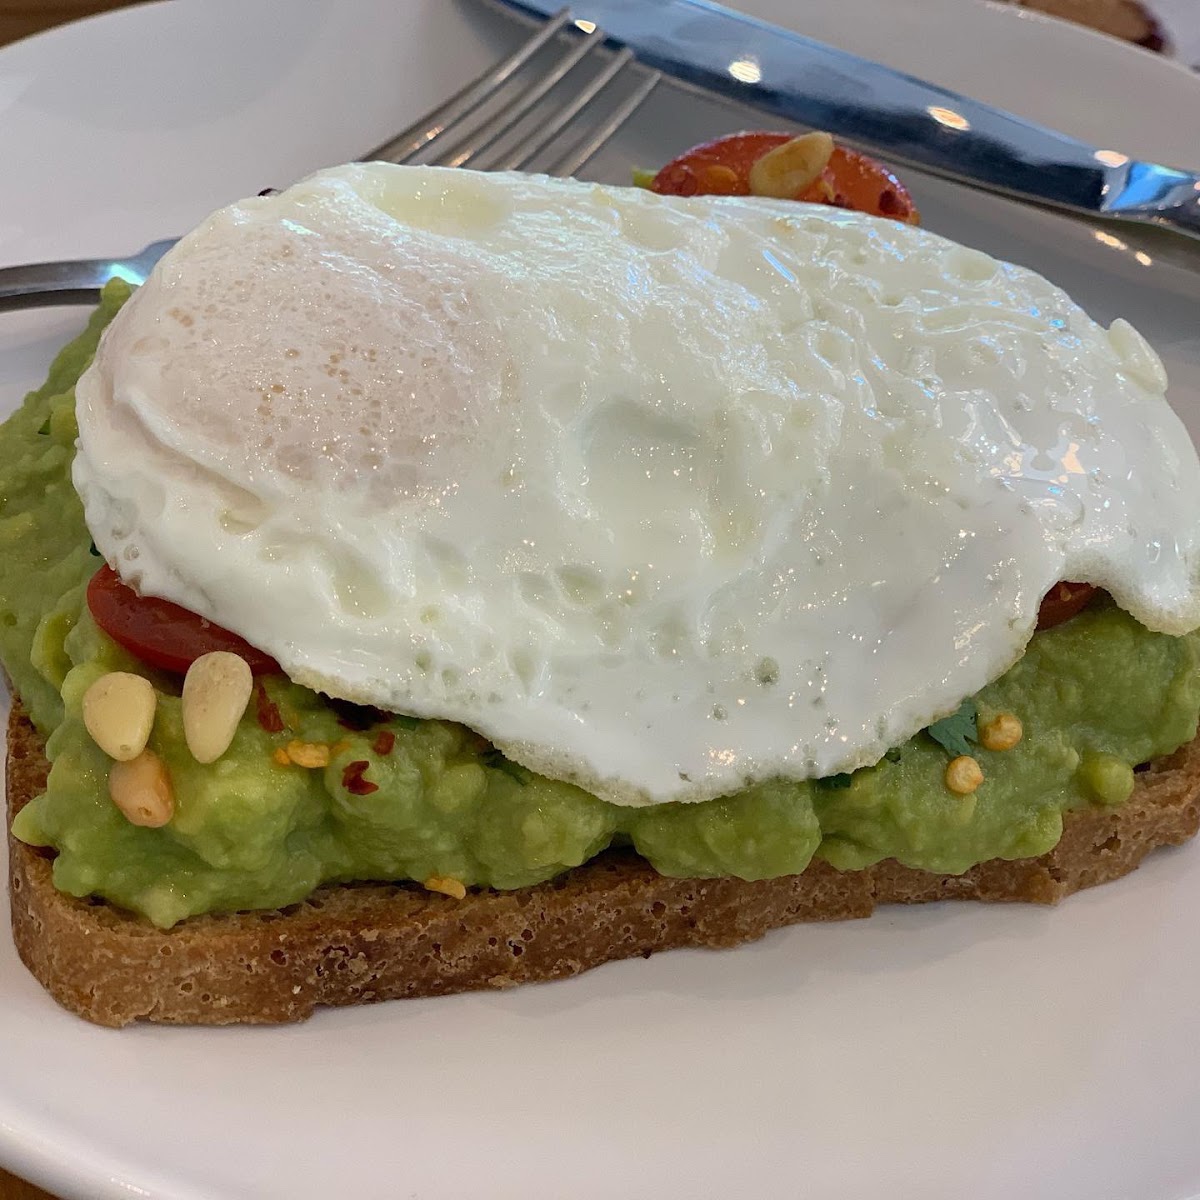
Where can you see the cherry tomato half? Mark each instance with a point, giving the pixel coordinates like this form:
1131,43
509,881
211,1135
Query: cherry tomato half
1062,602
160,633
722,168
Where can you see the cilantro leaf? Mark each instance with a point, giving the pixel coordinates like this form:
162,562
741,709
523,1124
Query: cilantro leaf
833,783
497,762
956,733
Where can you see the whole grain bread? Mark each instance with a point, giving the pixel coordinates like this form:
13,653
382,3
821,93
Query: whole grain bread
1129,20
356,944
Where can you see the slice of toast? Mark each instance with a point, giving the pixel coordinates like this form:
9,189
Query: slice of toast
355,944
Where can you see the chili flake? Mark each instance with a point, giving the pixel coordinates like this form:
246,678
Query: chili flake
267,711
354,781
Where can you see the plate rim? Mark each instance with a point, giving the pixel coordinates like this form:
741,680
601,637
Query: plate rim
1051,20
71,1169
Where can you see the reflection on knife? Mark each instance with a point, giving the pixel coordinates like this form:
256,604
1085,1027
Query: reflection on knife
910,121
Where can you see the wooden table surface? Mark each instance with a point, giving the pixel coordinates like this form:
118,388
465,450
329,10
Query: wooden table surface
12,1188
19,18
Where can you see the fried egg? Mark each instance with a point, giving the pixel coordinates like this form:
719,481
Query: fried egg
663,496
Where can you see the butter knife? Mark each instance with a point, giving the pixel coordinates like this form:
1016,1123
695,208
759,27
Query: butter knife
900,116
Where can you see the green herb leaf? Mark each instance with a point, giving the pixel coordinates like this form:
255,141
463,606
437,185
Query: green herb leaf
497,762
404,721
92,550
956,733
44,429
893,755
833,783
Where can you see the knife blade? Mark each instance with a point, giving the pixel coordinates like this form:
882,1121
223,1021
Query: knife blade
904,118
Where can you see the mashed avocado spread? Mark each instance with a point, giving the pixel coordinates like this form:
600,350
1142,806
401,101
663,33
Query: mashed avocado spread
408,799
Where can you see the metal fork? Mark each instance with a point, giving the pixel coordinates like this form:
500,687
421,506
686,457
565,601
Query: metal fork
498,122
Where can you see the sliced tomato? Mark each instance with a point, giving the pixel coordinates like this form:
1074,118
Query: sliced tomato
1062,602
160,633
864,184
722,168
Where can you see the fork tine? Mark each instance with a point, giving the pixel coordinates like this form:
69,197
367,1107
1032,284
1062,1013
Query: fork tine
405,144
454,112
80,282
526,151
503,121
575,158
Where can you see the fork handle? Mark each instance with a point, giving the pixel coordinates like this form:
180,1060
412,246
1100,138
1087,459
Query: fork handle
42,284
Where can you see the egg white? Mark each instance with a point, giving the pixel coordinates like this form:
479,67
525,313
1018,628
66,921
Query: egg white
663,496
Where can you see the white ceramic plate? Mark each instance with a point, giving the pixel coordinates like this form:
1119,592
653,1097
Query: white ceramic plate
982,1053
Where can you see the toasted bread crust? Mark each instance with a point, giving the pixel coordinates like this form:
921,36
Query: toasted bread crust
1128,20
356,944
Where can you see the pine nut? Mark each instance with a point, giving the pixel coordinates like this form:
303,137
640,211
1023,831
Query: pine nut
118,711
1002,732
963,775
141,789
216,691
788,170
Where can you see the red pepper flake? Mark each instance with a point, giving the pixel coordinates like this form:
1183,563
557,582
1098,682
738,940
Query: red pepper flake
353,779
267,711
384,743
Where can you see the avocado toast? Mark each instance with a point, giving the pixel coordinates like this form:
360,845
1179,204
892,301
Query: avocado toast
558,881
366,942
